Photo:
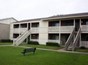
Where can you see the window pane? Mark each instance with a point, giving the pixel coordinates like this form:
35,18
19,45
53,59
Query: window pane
53,36
53,23
35,25
16,25
15,35
34,36
67,22
24,25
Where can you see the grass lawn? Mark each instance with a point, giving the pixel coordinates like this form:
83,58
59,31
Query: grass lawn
82,50
13,56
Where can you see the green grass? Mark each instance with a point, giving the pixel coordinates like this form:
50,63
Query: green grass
42,46
13,56
82,50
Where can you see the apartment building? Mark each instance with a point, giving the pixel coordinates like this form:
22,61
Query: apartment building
70,31
5,28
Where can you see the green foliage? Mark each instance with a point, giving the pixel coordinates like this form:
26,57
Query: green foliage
6,40
33,42
82,47
52,44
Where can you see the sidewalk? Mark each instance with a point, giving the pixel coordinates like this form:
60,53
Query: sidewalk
60,50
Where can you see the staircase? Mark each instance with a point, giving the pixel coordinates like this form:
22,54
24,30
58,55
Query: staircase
73,39
77,38
21,38
69,40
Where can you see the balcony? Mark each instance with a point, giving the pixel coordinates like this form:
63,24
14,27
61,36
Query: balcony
61,29
66,29
57,41
34,30
54,29
16,30
84,28
84,43
34,39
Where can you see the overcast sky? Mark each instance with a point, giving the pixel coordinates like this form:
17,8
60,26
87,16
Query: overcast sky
27,9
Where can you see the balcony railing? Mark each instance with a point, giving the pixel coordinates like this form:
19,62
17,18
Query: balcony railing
84,28
57,41
53,29
16,30
84,43
62,29
66,29
34,30
34,39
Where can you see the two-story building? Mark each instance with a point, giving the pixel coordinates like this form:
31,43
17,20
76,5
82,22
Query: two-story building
70,31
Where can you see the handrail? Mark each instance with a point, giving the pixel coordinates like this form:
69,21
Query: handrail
21,38
76,39
69,39
22,35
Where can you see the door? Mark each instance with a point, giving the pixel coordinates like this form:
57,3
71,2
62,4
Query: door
28,26
77,24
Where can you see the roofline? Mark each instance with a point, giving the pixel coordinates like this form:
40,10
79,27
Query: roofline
8,18
76,15
66,16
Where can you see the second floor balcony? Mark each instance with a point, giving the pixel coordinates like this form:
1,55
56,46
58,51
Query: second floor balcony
60,29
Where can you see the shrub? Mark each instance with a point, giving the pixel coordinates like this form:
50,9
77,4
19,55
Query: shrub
33,42
82,47
52,44
6,40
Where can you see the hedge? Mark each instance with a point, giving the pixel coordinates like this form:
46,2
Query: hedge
6,40
52,44
33,42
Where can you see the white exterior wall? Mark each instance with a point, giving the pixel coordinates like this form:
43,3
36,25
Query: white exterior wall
11,31
7,21
4,31
43,32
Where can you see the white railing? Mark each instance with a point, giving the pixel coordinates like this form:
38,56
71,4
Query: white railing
57,41
53,29
19,30
69,40
66,29
84,28
21,38
34,39
34,30
16,30
62,29
23,30
84,43
76,39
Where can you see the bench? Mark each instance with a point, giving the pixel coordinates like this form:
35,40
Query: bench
28,50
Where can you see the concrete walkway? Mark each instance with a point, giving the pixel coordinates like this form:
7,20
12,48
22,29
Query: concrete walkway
60,50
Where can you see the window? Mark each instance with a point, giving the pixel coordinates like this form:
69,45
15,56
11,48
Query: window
34,36
53,36
53,23
24,25
84,37
16,25
84,21
15,35
67,22
35,25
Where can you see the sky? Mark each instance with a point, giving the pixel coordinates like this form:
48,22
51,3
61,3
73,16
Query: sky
29,9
